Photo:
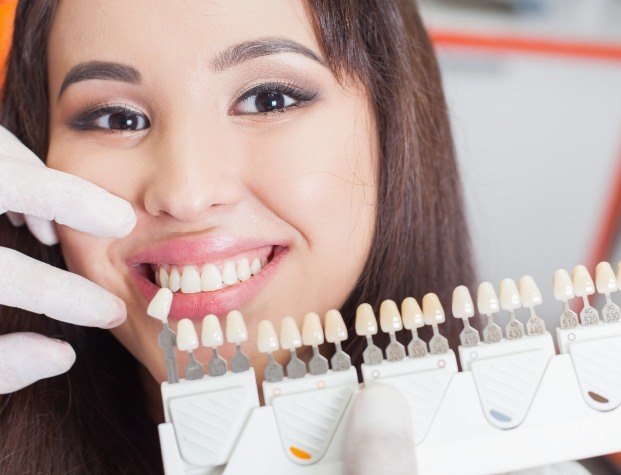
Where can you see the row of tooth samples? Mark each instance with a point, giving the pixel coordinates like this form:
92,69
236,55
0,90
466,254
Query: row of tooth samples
312,335
206,277
580,284
186,339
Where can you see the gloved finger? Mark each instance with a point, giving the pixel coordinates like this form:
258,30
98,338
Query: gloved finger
38,287
28,186
28,357
42,229
380,437
17,219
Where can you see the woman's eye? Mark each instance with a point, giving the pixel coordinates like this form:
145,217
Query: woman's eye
110,119
266,101
125,120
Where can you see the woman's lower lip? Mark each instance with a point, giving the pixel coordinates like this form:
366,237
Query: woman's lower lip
219,302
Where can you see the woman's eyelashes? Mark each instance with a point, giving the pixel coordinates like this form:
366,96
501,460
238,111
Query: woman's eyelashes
271,97
112,118
260,100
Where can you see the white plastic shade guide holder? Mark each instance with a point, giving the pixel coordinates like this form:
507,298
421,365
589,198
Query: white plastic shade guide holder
506,376
595,352
204,419
308,411
423,382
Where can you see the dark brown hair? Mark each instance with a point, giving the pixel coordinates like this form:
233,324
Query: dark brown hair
92,419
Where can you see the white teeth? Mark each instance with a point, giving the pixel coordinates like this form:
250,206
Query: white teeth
583,284
211,278
174,279
243,270
267,341
211,332
366,324
190,280
163,277
255,267
290,337
390,318
487,300
312,333
159,307
187,339
193,278
563,286
335,328
605,279
509,295
236,331
432,309
229,276
412,314
463,307
529,292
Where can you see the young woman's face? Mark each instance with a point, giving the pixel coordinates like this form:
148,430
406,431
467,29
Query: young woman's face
220,124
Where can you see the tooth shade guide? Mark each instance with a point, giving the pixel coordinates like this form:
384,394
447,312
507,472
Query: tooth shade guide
563,289
312,335
267,342
606,283
366,325
290,339
335,332
413,319
434,314
390,322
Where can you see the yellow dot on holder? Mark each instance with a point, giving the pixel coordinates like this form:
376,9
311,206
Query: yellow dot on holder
299,453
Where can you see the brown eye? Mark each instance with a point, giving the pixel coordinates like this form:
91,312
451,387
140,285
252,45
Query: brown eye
122,120
266,101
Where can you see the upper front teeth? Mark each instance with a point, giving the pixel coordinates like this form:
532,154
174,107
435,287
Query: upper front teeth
190,280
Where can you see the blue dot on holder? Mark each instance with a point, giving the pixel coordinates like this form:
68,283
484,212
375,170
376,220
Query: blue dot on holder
500,416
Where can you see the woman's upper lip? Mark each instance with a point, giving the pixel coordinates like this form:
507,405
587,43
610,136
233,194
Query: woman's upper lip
186,251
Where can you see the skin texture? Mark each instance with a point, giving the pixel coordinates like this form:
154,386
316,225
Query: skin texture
306,175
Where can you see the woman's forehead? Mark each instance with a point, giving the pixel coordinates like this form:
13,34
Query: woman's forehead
158,34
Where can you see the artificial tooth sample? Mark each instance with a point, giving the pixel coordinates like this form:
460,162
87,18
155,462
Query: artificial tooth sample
606,283
211,337
390,322
236,333
619,274
229,275
255,267
312,335
243,270
564,290
336,332
290,339
267,342
187,340
366,326
413,320
190,280
434,315
531,297
583,286
463,308
159,308
174,279
163,278
509,301
211,279
487,303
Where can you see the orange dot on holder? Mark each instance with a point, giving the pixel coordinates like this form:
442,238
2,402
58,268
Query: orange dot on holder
299,453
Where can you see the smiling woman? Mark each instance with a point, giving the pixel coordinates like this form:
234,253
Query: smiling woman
281,157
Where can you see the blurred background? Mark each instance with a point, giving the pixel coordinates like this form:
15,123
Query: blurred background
534,91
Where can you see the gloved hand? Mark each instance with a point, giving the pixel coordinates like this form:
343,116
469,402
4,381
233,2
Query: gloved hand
380,438
35,194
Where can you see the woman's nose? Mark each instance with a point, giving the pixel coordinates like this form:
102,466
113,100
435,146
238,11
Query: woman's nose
192,173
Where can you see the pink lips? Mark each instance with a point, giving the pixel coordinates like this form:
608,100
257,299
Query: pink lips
209,249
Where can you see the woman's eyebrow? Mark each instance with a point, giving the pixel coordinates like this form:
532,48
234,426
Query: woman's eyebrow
240,52
100,70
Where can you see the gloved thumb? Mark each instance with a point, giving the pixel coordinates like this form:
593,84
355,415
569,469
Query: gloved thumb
380,437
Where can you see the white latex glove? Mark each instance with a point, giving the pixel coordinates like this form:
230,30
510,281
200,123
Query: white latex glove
35,194
380,438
